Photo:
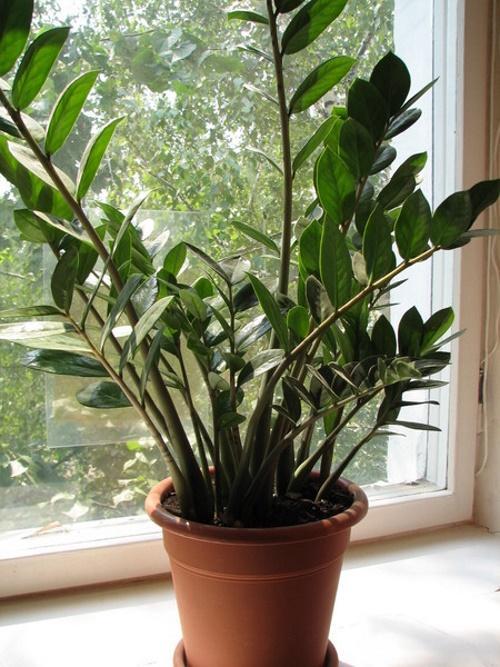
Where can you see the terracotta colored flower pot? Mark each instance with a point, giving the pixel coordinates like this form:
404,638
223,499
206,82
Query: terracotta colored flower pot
255,597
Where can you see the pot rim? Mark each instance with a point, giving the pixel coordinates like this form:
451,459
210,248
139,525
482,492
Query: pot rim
314,529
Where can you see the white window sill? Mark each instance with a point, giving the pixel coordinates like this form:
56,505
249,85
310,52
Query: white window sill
428,600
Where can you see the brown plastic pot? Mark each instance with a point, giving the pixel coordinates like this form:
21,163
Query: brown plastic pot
255,597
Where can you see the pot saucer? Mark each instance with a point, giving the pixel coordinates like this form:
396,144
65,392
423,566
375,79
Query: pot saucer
331,659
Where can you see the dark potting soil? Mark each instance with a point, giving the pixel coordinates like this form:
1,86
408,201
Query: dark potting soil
290,510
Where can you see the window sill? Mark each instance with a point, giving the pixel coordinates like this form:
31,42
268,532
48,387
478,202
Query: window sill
384,597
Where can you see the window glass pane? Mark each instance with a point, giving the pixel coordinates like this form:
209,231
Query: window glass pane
195,125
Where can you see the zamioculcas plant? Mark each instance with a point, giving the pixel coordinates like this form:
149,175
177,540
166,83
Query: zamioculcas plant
278,360
329,349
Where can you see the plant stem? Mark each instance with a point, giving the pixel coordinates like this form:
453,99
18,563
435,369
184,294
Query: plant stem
284,276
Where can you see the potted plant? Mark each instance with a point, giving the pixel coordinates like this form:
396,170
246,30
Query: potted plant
255,513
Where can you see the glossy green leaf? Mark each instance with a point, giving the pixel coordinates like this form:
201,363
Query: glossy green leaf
193,304
319,82
103,395
87,259
335,264
122,300
316,298
412,227
30,311
245,15
435,327
8,127
309,247
268,158
451,219
402,122
284,6
418,95
92,156
309,23
298,321
383,337
415,425
272,310
63,279
64,363
66,111
482,195
377,246
33,228
383,158
392,79
25,156
256,235
262,362
356,148
34,192
335,186
36,64
366,105
151,360
314,142
410,333
211,263
175,258
46,335
402,182
143,327
15,22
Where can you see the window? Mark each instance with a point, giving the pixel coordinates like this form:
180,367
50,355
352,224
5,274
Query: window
63,494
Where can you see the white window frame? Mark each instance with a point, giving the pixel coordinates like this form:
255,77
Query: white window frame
116,550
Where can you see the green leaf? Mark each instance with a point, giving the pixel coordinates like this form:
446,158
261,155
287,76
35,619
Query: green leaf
402,123
366,105
36,64
415,425
119,306
317,298
335,186
413,226
92,156
410,333
64,363
435,327
309,23
211,263
418,95
262,362
284,6
146,322
482,195
402,182
15,22
87,259
377,246
104,395
451,219
193,304
383,337
25,156
33,228
272,310
66,111
8,127
314,142
335,264
356,148
391,77
174,261
245,15
309,247
63,279
383,158
46,335
297,320
151,360
256,235
30,311
266,157
319,82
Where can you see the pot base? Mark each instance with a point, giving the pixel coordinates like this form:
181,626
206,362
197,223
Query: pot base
331,660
